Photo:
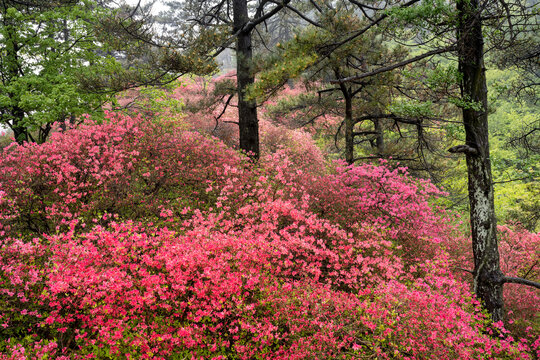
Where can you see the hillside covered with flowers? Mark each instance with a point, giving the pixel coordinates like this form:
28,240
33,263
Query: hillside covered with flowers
137,238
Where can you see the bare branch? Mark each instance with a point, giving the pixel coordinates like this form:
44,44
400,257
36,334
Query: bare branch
224,108
530,269
466,270
387,116
304,17
517,280
254,22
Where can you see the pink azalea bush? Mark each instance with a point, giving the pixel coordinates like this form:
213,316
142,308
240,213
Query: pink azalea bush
211,293
139,240
125,166
520,256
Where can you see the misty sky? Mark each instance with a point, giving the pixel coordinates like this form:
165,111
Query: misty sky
155,9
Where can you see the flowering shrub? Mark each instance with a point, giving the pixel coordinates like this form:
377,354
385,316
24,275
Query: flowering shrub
126,166
520,256
136,239
210,293
376,199
210,111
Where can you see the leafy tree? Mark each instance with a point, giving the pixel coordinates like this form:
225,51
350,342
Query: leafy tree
47,47
379,121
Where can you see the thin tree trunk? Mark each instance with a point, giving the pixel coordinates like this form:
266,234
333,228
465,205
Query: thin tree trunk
247,109
349,130
488,278
379,140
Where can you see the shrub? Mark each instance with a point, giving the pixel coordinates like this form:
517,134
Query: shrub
126,166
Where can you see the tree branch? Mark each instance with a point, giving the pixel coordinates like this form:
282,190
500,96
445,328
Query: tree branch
516,280
465,149
466,270
251,24
530,269
375,22
304,17
387,116
394,66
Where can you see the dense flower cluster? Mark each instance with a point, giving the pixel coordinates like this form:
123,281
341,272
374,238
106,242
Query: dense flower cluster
126,166
138,240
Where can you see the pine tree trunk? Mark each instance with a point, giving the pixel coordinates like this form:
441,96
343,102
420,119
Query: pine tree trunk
247,109
20,132
348,120
488,278
349,131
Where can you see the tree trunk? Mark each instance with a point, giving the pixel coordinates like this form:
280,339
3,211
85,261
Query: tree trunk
488,278
379,140
20,132
348,120
247,109
349,130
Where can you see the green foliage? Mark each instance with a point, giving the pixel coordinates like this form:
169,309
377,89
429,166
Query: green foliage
412,108
159,102
514,158
46,48
466,103
443,76
514,152
289,62
427,10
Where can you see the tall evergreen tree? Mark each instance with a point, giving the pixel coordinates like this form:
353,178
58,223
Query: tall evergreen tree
216,25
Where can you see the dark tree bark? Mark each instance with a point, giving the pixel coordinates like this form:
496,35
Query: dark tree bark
379,140
243,16
20,132
247,109
488,278
348,120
